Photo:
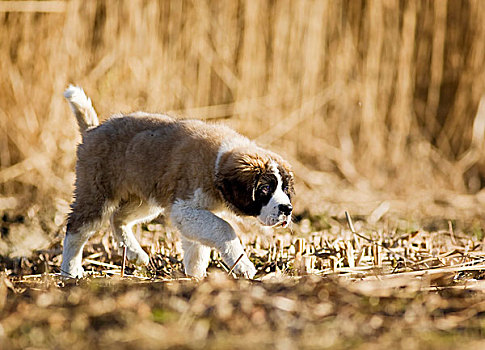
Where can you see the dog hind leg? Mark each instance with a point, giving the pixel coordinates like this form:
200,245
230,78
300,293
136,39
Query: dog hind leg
84,219
124,218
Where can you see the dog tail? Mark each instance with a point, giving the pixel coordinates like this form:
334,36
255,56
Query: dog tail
81,107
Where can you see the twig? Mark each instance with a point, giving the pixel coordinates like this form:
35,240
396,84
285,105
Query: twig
118,272
452,233
39,275
352,229
94,256
428,260
223,265
123,262
67,273
99,263
234,265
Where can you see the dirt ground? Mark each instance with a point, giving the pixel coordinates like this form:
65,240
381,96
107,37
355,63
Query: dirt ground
370,281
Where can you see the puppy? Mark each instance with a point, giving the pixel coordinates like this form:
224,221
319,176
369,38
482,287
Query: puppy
132,167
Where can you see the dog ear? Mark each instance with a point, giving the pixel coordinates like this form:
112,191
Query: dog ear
237,179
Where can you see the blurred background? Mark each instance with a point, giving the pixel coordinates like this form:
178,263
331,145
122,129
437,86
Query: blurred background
369,100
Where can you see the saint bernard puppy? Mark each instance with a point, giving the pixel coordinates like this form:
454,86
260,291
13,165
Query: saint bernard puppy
132,167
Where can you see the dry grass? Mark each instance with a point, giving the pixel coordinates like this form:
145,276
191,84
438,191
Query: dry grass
333,287
371,101
221,313
380,95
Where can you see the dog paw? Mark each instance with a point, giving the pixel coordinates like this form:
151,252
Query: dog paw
195,272
245,268
72,272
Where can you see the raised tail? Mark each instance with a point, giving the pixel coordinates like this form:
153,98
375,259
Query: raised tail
81,107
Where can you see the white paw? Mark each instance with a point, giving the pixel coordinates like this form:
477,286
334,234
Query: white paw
73,271
198,273
245,268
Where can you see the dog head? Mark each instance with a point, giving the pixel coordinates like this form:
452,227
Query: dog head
259,185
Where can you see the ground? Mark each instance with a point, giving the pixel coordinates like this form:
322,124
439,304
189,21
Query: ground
329,282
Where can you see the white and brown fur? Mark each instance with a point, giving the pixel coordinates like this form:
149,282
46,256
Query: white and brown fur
132,167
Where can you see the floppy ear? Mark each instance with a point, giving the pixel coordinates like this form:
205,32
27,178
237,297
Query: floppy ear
254,167
237,178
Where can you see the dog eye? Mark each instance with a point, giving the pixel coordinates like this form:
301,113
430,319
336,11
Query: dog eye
264,189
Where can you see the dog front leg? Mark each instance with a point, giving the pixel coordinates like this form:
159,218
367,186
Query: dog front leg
202,226
196,258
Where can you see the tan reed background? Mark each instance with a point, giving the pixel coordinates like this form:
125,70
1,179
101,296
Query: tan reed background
371,94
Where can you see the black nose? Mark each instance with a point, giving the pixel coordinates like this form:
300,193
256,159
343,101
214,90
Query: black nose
285,208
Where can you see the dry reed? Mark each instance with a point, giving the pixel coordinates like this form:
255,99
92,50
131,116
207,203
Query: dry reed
382,94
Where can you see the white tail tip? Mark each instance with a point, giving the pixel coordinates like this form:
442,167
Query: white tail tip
76,95
81,107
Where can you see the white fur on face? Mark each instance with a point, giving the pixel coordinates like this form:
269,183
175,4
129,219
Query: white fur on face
270,213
